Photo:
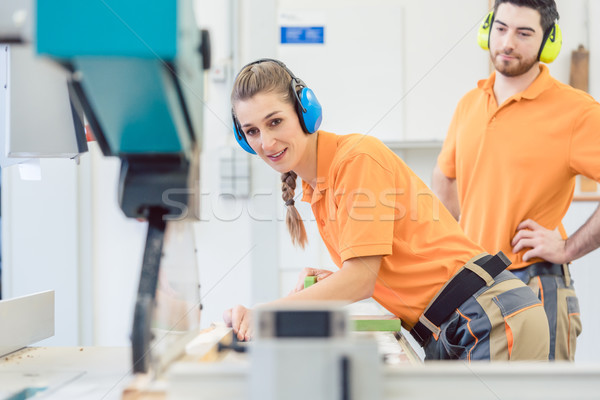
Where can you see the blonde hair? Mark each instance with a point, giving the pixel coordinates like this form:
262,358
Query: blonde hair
264,77
293,220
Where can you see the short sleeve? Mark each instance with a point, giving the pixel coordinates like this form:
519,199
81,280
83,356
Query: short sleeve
584,152
447,157
365,222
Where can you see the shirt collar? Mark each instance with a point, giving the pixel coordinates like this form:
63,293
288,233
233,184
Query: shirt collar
539,85
326,149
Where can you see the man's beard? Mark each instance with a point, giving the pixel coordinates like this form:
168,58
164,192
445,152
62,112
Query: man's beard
512,68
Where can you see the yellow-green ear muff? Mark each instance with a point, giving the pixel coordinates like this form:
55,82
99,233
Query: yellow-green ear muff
551,45
483,35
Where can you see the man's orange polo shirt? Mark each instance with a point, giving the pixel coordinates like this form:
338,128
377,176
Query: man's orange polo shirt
519,160
368,202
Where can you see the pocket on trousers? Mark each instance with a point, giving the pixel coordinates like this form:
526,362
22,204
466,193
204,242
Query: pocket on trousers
448,345
574,324
525,324
515,300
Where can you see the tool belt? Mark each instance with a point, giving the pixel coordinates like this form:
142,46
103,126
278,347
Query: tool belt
543,268
472,277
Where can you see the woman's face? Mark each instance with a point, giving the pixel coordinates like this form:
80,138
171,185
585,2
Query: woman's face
273,131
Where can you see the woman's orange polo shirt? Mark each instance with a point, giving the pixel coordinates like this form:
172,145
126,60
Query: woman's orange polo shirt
366,202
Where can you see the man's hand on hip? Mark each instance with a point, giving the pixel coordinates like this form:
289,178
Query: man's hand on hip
544,243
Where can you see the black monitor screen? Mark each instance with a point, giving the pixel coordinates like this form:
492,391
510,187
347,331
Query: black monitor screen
302,324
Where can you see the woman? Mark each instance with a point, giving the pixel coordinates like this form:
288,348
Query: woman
384,229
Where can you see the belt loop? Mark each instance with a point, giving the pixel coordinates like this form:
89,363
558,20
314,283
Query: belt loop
567,274
429,325
482,273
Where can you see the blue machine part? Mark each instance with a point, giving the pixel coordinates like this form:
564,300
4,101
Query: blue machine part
138,119
132,28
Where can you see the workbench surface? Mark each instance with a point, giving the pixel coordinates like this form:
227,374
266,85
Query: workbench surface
66,372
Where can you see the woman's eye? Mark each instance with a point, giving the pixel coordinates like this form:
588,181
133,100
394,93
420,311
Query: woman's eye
276,122
251,132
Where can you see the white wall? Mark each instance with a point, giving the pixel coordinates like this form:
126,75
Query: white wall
390,68
586,275
116,254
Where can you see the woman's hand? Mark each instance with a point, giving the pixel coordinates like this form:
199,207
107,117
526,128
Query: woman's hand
319,273
240,319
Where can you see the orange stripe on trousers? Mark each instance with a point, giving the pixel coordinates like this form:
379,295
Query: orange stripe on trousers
471,332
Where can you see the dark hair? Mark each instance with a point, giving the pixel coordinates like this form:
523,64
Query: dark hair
546,8
265,77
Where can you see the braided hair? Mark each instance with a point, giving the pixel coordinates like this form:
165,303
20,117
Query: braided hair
293,221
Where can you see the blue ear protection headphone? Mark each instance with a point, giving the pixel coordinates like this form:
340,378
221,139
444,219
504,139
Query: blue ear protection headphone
551,42
307,107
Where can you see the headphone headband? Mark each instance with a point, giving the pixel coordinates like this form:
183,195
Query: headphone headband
307,106
262,60
295,80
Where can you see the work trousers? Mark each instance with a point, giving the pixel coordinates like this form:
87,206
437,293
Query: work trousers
553,285
503,320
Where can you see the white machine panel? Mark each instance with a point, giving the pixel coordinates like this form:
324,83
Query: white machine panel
36,119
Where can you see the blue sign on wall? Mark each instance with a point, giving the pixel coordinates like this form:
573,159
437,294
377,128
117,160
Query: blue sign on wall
303,34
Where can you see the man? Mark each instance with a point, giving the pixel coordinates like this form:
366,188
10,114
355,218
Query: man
507,168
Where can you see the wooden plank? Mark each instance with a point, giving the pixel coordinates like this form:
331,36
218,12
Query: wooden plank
587,185
580,69
26,320
205,348
586,198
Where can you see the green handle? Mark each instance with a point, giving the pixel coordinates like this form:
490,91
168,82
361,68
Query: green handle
309,281
376,323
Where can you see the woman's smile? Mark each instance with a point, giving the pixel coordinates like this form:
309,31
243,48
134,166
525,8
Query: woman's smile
277,156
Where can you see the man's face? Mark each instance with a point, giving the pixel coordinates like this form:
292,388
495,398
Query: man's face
515,39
